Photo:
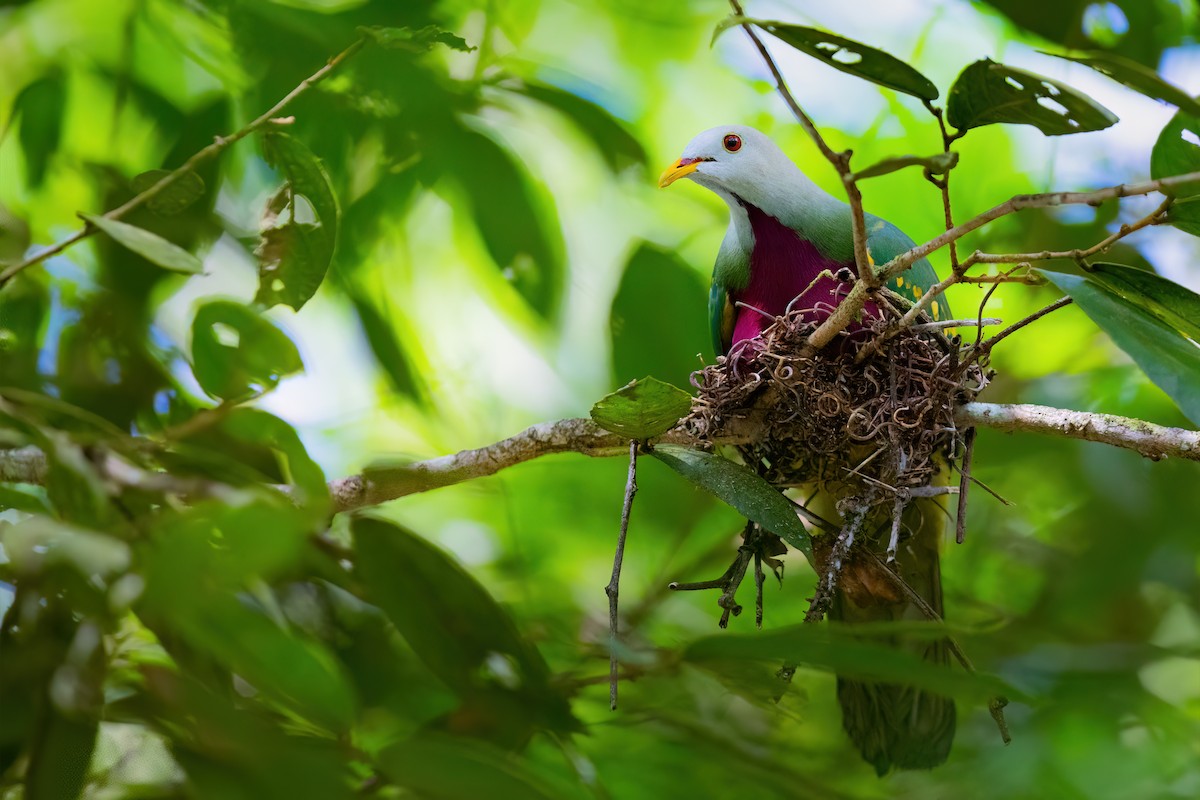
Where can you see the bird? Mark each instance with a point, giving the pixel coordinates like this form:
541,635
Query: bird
790,247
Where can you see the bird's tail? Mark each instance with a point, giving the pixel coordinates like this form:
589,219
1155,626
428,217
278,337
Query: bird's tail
893,726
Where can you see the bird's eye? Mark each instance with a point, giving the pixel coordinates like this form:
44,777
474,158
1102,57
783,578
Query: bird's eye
732,142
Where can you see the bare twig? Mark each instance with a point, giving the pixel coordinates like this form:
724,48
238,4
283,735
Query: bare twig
964,486
219,143
613,588
987,346
823,595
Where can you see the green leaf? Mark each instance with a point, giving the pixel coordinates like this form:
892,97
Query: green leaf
1137,77
149,246
414,41
1175,305
450,621
181,193
60,754
842,650
642,409
40,543
1177,152
616,145
258,427
295,255
460,769
740,487
1166,356
937,164
846,55
986,93
73,484
661,300
41,107
237,354
521,235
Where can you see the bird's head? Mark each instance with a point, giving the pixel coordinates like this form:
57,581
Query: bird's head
730,160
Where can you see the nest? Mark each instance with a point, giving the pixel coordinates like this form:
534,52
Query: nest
852,417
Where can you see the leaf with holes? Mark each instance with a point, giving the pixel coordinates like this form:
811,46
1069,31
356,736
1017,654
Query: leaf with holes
414,41
987,93
846,55
294,256
177,196
742,488
642,409
1175,305
149,246
1140,78
1167,357
1177,152
237,354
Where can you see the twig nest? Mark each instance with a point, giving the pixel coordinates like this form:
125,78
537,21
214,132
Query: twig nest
853,416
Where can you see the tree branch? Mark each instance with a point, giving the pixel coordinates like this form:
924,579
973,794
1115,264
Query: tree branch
219,143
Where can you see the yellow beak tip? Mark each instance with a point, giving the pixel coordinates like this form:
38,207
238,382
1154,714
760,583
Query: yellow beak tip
676,171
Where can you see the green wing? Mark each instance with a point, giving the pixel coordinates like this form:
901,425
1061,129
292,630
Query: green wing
885,241
720,317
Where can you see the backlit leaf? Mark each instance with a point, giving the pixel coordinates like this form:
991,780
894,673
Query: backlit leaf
149,246
237,354
986,93
1175,305
642,409
177,196
1140,78
1177,152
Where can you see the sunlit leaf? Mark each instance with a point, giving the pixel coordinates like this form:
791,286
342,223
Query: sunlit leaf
459,769
616,145
179,194
1137,77
1175,305
149,246
1177,152
838,650
740,487
1167,357
642,409
847,55
237,354
294,255
986,93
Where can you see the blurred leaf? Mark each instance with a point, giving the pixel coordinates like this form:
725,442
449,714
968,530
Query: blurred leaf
415,41
183,191
846,55
986,93
73,484
642,409
24,309
520,236
30,500
1164,354
1177,152
1137,77
41,106
14,238
237,354
299,469
442,768
294,256
1175,305
450,621
60,754
938,164
38,543
839,650
662,301
149,246
616,145
740,487
390,354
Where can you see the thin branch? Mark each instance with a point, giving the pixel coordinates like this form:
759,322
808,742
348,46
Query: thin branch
1016,326
219,144
614,583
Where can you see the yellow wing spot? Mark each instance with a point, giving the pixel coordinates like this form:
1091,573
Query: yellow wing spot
936,313
899,283
870,258
918,291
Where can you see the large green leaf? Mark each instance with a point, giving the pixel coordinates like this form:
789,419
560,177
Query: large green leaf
1137,77
237,354
61,751
617,146
986,93
1177,152
740,487
642,409
40,106
176,197
149,246
1175,305
839,650
1170,359
295,255
459,769
847,55
452,623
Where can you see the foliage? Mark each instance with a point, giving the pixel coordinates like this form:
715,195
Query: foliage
451,236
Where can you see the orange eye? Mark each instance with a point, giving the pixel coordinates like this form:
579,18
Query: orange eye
732,142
